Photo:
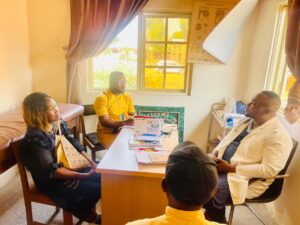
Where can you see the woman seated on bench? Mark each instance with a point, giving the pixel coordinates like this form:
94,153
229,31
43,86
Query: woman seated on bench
76,192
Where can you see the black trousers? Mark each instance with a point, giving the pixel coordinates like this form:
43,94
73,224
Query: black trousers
215,207
78,197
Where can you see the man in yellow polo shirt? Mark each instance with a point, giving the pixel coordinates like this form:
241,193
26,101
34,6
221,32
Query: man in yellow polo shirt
113,109
190,181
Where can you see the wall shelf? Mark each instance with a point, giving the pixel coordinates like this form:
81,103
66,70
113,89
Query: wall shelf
216,120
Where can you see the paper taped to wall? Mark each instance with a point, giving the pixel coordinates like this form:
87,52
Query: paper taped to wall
221,41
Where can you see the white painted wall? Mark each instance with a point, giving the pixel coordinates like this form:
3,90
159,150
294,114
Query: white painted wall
260,47
49,30
15,70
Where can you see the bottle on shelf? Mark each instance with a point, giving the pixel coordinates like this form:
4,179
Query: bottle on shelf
229,122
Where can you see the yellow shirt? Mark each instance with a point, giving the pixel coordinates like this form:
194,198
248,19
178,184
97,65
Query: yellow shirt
176,217
117,107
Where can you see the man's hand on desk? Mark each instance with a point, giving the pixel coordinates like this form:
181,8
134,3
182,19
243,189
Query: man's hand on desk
224,167
115,125
128,122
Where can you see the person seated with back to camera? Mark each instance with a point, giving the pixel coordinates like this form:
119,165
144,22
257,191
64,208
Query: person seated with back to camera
75,191
114,109
190,181
258,147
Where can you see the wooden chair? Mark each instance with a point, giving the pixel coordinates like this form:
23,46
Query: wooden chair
272,193
30,192
90,140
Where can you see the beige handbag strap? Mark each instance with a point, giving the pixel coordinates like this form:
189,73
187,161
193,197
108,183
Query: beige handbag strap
59,130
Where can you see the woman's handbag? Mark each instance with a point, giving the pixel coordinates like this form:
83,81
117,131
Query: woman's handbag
67,154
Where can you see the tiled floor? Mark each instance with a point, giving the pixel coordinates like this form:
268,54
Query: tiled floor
12,211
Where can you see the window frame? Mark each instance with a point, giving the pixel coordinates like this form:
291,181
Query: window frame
141,60
141,47
278,71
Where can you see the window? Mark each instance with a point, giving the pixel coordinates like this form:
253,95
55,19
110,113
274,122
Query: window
152,53
165,43
279,77
120,55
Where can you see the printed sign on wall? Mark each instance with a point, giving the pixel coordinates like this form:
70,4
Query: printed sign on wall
206,16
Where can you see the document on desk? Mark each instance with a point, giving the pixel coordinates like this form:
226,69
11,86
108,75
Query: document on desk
148,128
146,157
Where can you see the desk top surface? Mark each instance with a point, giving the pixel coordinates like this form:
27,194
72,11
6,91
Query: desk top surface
120,160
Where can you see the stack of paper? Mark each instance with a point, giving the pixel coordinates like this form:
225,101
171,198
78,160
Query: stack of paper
146,140
151,157
138,143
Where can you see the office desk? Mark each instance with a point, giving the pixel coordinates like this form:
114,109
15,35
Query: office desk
131,191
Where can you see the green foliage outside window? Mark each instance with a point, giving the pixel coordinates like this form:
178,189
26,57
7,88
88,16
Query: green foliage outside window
164,64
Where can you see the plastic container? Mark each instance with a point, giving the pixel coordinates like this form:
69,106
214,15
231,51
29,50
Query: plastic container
231,119
229,122
240,107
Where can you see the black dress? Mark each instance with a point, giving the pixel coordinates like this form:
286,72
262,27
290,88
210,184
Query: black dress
77,196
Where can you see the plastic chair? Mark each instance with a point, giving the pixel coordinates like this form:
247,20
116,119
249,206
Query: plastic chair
90,140
272,193
30,192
